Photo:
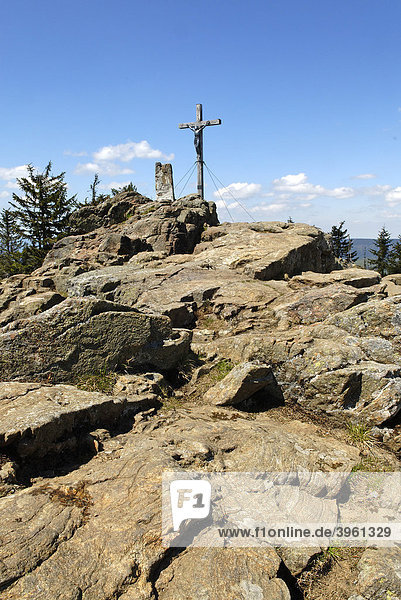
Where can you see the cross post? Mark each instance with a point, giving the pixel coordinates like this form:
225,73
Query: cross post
198,128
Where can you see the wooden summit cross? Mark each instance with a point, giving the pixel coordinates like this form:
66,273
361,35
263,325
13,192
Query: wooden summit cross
198,128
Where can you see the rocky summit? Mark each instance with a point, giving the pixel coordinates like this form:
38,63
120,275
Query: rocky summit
154,338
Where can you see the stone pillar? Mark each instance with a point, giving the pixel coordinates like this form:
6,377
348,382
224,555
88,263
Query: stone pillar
164,182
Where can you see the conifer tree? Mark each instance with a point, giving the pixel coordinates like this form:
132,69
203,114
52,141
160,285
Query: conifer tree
342,243
394,263
382,252
93,189
351,255
42,212
10,244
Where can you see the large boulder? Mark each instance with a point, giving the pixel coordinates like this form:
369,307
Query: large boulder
85,335
242,383
353,276
267,250
315,305
37,419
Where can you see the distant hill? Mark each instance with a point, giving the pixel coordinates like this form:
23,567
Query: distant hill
363,246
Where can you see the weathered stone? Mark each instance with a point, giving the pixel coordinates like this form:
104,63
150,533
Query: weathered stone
29,305
354,277
85,335
262,253
318,304
145,383
394,278
323,367
377,317
119,228
214,274
109,212
37,419
243,382
330,339
164,182
103,539
116,244
369,389
297,559
380,574
223,573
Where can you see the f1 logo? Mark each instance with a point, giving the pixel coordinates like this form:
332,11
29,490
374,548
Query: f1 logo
190,499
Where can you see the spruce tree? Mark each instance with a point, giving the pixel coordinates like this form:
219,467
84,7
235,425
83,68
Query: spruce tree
10,244
93,189
42,212
342,244
394,263
382,252
351,255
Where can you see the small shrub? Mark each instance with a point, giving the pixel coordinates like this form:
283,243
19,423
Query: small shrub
360,435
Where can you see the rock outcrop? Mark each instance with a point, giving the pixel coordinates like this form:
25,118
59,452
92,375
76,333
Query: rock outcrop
96,530
85,335
234,347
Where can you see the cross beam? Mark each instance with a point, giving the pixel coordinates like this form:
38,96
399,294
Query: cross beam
197,127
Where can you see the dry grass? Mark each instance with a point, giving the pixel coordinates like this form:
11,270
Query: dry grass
68,495
100,381
331,575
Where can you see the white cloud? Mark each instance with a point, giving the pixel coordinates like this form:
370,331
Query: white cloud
105,160
12,185
14,172
130,150
4,194
375,190
393,197
239,190
390,215
274,207
364,176
299,184
221,204
292,180
103,168
113,184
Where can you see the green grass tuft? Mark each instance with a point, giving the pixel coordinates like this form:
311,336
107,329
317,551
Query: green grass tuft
100,381
222,369
360,434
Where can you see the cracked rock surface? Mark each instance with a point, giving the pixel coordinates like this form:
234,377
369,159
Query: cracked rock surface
153,339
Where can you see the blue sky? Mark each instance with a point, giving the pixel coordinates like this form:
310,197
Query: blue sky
309,92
